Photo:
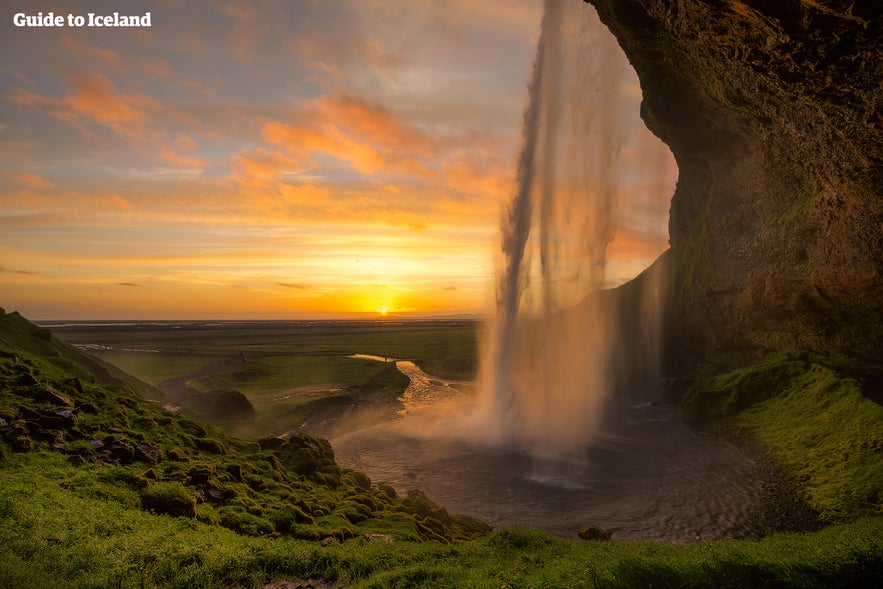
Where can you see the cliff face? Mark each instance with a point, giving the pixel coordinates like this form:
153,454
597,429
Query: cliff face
773,113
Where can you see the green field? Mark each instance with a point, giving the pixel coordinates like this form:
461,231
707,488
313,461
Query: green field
296,375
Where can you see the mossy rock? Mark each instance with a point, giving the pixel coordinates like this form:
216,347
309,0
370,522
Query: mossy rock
286,518
353,512
594,533
310,457
170,498
357,479
465,527
243,522
210,445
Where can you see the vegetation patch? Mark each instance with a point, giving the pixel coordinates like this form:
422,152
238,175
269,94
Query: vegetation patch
816,423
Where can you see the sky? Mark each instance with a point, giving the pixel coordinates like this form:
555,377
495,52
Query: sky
274,159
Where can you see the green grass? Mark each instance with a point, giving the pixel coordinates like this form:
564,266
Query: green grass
817,425
445,349
57,530
208,510
152,367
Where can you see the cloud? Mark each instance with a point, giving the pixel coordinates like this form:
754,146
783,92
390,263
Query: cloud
30,180
402,169
295,286
25,272
97,103
91,54
129,284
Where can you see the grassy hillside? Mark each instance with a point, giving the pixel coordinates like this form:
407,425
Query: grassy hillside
168,463
99,488
815,416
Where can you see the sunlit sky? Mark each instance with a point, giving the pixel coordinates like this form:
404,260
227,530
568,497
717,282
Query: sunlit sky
287,159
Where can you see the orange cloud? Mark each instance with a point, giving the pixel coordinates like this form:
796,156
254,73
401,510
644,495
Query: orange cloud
134,116
374,141
92,54
120,203
30,180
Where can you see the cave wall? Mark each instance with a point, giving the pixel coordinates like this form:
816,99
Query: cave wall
773,113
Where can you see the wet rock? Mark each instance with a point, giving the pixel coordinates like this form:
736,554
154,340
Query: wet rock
772,113
594,533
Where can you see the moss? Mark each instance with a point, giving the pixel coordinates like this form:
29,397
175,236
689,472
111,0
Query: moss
692,270
816,424
243,522
171,498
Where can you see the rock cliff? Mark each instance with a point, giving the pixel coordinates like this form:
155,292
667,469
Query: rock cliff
773,113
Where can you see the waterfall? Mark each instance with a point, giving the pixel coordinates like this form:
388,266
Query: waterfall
547,363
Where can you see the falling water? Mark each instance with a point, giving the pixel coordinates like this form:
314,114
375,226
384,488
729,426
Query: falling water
546,371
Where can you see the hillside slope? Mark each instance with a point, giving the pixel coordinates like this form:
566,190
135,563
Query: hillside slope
51,401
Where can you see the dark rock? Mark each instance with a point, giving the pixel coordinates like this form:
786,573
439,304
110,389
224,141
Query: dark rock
217,495
271,443
235,471
594,533
773,114
199,477
120,452
48,396
62,418
150,474
52,436
26,379
146,452
21,444
75,384
89,408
